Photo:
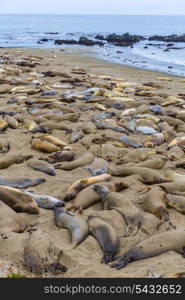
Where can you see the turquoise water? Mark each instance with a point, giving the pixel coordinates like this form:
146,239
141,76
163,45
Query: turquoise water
26,30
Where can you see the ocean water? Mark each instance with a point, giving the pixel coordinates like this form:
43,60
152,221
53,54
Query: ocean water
25,31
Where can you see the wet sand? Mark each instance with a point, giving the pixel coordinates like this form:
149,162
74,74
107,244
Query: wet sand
84,261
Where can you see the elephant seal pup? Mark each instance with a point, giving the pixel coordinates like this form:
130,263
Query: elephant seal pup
98,167
106,237
153,246
147,175
17,200
45,201
83,160
41,255
88,196
154,202
43,146
80,184
59,156
10,159
42,166
77,226
171,187
21,183
123,205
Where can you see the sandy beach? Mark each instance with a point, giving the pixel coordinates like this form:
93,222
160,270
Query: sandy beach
123,82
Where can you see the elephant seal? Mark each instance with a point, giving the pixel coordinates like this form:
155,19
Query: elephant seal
83,160
98,167
45,201
106,237
41,254
10,159
123,205
17,200
153,246
155,163
136,155
154,202
77,226
59,156
12,122
43,146
42,166
88,196
147,175
80,184
21,183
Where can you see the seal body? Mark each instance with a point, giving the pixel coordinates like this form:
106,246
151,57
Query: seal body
46,201
83,160
80,184
123,205
106,237
77,226
17,200
42,166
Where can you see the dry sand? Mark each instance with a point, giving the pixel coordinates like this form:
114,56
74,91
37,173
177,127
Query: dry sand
84,261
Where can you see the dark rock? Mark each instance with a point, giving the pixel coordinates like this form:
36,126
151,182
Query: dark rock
100,37
124,40
52,33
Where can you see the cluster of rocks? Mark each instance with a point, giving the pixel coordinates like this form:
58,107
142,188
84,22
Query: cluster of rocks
169,38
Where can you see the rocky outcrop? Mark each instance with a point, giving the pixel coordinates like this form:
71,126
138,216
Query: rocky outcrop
169,38
82,41
123,40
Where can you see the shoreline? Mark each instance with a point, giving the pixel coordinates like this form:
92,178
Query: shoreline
84,58
77,51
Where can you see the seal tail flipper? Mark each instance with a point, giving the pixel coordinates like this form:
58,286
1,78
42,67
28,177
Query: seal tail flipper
122,262
107,258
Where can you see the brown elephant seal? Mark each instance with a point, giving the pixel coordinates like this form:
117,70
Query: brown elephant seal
154,202
99,166
87,197
72,117
123,205
45,201
147,175
80,184
153,246
54,125
12,122
21,183
106,237
42,166
155,163
60,156
17,200
41,255
11,159
77,226
83,160
137,155
43,146
4,146
51,139
171,187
